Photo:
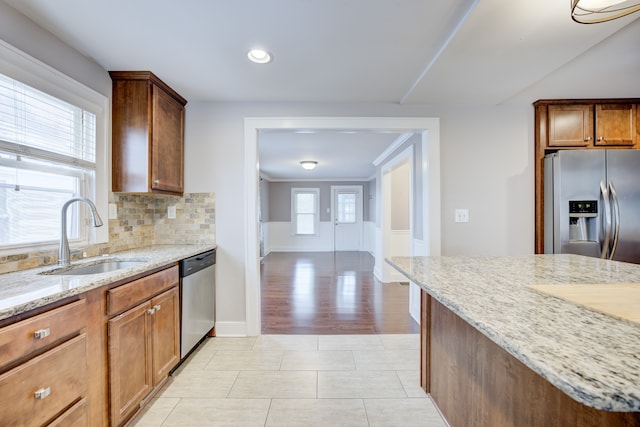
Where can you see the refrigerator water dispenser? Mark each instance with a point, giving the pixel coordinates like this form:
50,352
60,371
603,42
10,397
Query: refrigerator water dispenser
582,220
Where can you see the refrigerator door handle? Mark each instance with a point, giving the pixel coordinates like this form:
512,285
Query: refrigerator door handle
616,209
607,219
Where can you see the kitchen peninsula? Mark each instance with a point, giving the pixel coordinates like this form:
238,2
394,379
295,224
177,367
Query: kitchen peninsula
497,352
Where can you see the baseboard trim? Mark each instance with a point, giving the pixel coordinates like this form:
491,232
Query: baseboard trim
231,329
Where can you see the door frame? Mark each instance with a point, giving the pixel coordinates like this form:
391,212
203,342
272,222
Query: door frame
430,131
359,211
388,273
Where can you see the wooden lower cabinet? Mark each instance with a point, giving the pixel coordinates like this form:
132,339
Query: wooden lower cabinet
52,367
165,334
129,361
93,359
36,392
144,345
474,382
76,416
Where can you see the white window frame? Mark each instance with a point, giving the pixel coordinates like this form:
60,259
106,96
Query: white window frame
294,213
28,70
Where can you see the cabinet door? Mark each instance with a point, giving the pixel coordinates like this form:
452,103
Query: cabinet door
166,333
570,125
167,156
615,124
130,376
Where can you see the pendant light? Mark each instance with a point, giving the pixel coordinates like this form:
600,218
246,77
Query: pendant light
594,11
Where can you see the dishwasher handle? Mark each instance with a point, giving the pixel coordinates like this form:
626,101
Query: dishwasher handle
196,263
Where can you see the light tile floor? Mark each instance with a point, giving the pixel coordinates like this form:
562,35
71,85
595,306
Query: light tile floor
297,380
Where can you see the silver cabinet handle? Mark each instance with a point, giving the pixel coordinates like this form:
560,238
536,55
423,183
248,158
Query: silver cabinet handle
151,311
42,393
41,333
587,139
601,138
156,307
156,181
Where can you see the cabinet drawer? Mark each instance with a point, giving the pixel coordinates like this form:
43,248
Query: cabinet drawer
38,390
127,296
76,416
27,336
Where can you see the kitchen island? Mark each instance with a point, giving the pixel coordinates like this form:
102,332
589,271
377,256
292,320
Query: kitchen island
497,352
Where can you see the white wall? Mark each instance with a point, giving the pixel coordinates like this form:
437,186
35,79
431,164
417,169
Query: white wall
281,238
21,32
486,166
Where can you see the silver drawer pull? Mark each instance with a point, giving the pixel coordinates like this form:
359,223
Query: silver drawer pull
156,307
42,393
41,333
151,311
156,181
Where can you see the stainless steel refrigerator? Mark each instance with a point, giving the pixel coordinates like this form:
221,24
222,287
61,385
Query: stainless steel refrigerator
592,203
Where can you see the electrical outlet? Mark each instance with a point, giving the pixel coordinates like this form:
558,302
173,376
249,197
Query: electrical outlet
171,212
113,211
462,215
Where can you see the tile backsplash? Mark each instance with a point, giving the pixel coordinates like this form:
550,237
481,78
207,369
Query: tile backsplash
143,220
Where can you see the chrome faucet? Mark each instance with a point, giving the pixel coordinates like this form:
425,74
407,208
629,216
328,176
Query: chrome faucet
63,251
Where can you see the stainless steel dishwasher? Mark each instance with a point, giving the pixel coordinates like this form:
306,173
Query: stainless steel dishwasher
197,295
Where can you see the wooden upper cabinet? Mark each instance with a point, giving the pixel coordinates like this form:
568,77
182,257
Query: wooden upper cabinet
615,124
148,134
570,125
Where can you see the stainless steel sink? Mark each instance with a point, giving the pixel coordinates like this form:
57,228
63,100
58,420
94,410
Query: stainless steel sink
102,266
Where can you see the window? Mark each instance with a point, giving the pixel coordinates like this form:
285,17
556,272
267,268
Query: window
346,208
304,210
48,151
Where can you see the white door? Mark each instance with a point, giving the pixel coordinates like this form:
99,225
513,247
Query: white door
346,207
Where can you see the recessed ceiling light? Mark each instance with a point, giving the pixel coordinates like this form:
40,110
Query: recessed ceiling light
259,56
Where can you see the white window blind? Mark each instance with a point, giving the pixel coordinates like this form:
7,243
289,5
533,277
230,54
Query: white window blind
47,156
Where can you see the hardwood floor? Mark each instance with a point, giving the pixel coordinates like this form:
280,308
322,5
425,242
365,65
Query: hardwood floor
321,293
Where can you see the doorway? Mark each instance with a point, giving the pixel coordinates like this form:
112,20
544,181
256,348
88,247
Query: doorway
397,212
346,214
429,130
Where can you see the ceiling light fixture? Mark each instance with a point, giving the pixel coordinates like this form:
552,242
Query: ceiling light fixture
309,164
259,56
594,11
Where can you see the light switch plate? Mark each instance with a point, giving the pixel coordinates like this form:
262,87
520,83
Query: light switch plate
113,211
171,212
462,215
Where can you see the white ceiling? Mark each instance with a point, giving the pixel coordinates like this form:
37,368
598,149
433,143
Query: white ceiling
342,156
341,51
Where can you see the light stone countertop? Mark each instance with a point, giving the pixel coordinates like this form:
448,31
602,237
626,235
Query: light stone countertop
25,290
592,357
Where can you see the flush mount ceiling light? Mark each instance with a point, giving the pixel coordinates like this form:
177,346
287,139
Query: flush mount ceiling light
594,11
259,56
309,164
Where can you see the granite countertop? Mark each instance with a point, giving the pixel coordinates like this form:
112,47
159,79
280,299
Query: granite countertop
591,356
25,290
